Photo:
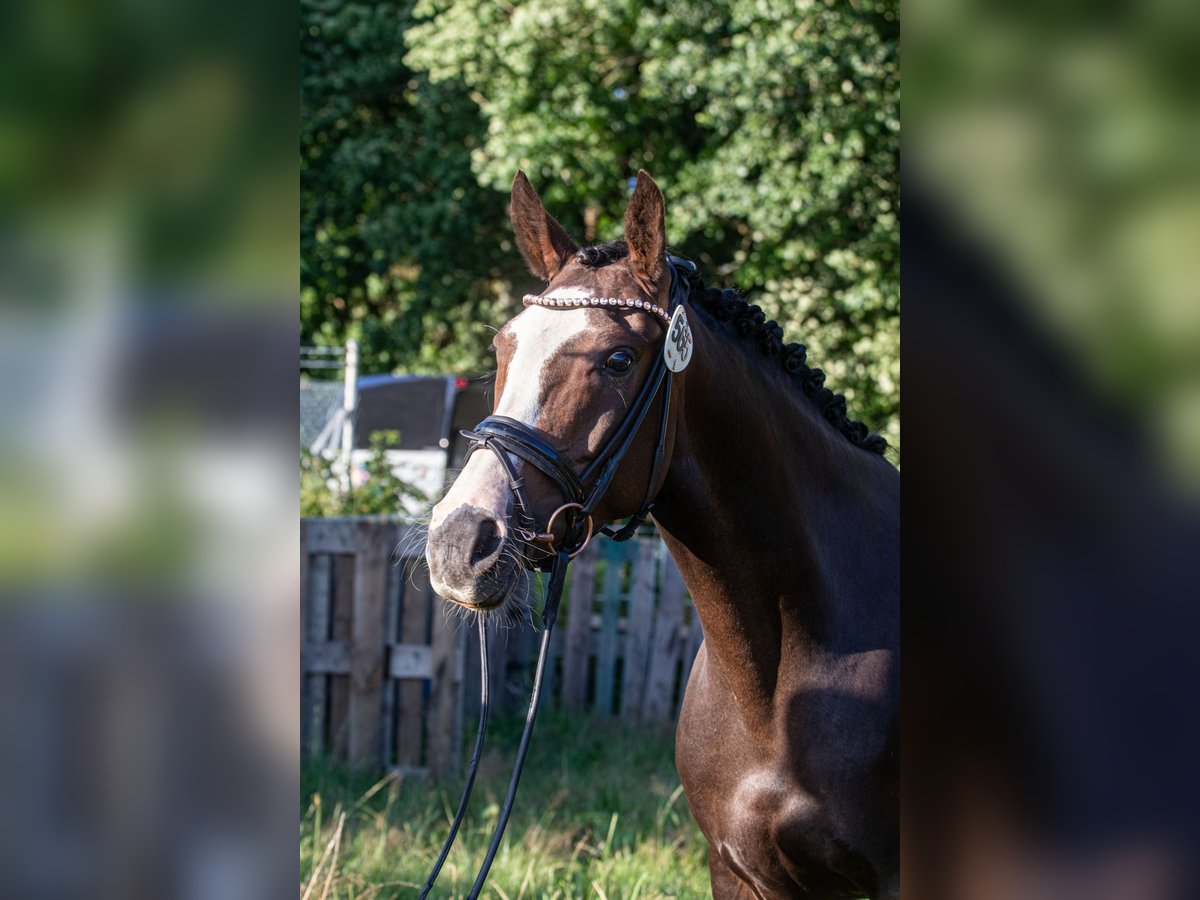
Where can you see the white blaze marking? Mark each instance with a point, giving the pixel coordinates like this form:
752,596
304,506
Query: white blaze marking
481,483
539,334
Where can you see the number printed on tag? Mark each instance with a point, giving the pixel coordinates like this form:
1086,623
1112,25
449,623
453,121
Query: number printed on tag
677,351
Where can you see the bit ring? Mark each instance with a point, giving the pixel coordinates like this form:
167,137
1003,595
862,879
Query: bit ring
548,536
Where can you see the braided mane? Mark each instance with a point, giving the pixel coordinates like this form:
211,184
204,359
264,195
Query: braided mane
745,320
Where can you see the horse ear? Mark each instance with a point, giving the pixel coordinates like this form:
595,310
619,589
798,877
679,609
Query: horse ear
645,229
544,243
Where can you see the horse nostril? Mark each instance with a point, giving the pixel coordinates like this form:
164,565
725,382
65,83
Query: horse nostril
487,541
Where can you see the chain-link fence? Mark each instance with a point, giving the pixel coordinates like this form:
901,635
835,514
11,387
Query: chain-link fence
321,396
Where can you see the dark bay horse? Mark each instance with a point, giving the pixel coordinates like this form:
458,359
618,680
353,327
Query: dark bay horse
782,515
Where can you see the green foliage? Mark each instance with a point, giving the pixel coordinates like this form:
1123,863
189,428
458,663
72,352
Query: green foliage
605,817
773,130
323,492
399,244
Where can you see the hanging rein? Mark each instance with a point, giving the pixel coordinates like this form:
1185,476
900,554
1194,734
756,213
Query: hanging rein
508,438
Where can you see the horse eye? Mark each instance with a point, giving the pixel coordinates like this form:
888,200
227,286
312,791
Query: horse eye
620,361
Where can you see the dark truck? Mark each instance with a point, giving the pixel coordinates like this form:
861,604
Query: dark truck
427,411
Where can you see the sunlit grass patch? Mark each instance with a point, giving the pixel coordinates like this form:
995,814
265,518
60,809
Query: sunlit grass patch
600,813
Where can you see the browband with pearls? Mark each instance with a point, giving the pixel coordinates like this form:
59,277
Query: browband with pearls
622,302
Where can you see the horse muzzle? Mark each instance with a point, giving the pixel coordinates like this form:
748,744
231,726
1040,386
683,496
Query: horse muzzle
472,559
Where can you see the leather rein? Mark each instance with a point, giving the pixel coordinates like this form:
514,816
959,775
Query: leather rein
508,438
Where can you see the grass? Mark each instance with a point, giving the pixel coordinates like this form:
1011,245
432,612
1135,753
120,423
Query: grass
600,813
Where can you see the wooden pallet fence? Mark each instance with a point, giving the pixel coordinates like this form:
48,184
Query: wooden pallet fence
381,680
389,675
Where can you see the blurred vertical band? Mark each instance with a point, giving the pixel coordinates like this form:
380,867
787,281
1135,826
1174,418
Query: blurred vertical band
148,532
1051,352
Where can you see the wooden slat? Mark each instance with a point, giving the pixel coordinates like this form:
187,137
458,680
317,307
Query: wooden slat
521,651
410,661
606,640
414,628
665,645
391,630
320,573
326,658
333,536
470,693
579,627
341,603
365,736
553,682
341,615
695,637
498,647
637,630
446,696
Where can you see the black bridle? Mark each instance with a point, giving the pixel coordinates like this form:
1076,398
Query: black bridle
508,438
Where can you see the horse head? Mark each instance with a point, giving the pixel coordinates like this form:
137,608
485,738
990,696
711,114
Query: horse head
570,372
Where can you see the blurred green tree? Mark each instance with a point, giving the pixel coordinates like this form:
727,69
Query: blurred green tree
773,130
398,239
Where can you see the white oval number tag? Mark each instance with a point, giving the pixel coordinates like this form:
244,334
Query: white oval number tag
677,351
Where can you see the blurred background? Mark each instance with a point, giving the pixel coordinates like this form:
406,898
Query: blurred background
148,535
1061,140
1051,349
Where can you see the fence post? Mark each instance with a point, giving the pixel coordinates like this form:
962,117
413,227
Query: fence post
579,629
320,574
364,716
637,629
446,696
417,606
666,645
349,407
695,637
606,641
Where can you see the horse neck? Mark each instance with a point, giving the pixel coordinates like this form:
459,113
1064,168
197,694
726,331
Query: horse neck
786,534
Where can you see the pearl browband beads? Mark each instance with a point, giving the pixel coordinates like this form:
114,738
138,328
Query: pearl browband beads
576,302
